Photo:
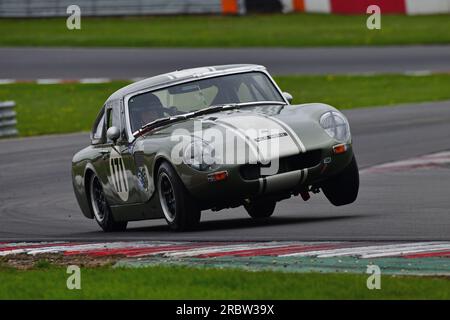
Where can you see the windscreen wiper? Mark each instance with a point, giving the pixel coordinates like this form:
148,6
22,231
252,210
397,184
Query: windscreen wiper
248,104
215,108
167,120
158,123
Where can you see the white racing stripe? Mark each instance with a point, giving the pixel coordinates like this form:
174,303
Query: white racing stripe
291,132
249,124
290,144
251,144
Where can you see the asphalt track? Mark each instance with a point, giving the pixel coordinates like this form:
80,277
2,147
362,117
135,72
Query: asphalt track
37,201
114,63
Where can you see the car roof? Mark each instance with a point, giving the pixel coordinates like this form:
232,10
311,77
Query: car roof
170,78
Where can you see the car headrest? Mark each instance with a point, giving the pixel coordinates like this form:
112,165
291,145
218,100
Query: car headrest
145,101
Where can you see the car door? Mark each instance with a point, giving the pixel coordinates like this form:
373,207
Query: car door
117,162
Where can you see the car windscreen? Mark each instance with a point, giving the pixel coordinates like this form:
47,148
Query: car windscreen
199,94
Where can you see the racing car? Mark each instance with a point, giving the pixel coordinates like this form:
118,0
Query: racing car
210,138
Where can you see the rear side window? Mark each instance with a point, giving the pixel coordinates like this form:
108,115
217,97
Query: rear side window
109,121
97,132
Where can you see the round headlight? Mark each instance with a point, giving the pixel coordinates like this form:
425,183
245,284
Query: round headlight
336,126
199,155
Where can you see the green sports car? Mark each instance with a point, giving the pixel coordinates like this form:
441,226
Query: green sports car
216,137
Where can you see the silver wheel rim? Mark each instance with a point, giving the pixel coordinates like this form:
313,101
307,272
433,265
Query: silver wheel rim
98,200
167,197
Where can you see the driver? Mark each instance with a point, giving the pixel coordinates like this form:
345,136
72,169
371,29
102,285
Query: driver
143,109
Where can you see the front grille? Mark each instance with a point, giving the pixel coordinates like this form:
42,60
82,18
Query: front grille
291,163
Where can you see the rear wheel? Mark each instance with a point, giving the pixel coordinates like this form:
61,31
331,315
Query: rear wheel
260,208
342,188
100,208
180,210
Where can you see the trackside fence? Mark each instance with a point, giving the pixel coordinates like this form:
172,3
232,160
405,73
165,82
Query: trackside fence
58,8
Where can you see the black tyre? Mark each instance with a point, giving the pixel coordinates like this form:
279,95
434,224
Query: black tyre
342,188
260,208
179,208
100,208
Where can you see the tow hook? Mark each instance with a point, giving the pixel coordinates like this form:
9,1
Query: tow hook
305,195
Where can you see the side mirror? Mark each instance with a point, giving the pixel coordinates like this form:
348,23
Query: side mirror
288,96
113,134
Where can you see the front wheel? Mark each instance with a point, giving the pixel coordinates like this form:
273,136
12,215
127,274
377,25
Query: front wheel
260,208
342,188
100,208
179,208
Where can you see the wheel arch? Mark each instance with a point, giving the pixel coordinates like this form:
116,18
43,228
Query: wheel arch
157,163
88,173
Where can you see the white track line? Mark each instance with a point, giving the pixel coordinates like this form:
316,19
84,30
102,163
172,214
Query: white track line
238,247
95,80
70,248
216,249
13,247
227,247
365,251
385,249
82,247
418,73
435,159
23,244
393,253
85,248
415,73
357,251
7,81
48,81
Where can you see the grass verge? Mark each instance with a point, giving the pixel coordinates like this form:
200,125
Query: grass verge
293,30
63,108
49,282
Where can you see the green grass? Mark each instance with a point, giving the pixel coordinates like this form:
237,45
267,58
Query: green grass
59,108
63,108
188,283
345,92
294,30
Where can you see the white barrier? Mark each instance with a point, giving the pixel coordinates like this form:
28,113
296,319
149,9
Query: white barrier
317,6
414,7
8,120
